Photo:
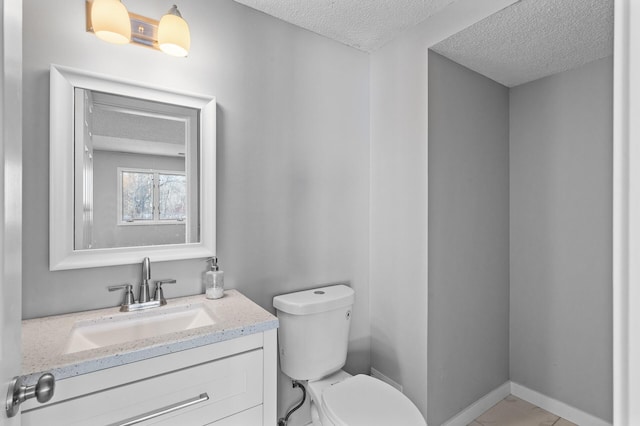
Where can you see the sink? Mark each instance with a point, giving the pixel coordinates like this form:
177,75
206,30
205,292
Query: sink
124,327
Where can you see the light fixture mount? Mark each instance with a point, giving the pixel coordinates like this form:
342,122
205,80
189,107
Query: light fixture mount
144,30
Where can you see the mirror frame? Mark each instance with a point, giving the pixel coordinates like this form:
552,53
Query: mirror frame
62,254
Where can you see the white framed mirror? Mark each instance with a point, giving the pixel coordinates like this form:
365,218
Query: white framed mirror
132,172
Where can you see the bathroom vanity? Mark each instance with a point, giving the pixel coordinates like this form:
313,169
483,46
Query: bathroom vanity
121,368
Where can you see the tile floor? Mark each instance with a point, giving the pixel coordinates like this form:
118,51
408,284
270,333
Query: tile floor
513,411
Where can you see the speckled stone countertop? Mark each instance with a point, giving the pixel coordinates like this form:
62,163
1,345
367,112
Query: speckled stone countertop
45,340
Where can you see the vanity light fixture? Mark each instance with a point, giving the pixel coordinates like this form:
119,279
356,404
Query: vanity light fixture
110,21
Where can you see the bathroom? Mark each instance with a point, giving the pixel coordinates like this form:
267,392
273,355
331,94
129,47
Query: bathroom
304,197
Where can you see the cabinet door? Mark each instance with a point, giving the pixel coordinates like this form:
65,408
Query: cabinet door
231,385
250,417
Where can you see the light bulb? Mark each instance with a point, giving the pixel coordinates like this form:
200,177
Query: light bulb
110,21
173,34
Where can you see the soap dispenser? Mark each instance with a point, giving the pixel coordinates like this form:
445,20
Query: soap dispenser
214,280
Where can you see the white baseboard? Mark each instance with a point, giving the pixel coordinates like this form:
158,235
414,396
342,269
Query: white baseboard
378,375
475,410
556,407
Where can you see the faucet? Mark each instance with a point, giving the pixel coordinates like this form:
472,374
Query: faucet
144,301
144,285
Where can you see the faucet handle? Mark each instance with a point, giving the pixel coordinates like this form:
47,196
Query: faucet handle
158,294
128,294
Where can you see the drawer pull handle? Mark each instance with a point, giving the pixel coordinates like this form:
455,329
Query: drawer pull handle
162,411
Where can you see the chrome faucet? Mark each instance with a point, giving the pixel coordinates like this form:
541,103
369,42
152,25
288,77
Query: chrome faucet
144,285
144,301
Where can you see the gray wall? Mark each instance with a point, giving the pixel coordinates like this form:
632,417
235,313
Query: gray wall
399,220
561,233
399,197
468,237
293,155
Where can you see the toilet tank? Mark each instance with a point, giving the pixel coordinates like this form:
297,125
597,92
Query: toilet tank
314,331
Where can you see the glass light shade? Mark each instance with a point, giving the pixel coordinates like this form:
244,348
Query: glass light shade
173,34
110,21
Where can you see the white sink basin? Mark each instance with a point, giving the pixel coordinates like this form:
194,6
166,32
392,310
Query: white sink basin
122,328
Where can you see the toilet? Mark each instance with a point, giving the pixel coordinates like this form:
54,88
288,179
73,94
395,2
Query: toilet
312,338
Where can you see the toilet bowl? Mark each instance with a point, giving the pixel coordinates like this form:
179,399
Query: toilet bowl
312,344
345,400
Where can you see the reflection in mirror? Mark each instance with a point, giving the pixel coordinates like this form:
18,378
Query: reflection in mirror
136,172
126,172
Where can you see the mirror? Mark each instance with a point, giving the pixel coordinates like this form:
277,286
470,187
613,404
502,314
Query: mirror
136,164
126,172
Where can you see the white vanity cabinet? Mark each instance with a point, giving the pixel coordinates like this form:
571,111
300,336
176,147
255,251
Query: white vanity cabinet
226,383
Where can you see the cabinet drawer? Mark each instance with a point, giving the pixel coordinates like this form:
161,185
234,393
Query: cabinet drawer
232,385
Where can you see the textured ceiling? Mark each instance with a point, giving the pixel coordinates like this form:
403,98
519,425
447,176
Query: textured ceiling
534,38
363,24
526,41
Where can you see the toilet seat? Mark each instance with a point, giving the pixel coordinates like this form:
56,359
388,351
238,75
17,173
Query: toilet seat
363,400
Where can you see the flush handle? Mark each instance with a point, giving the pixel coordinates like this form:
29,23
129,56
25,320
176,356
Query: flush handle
19,392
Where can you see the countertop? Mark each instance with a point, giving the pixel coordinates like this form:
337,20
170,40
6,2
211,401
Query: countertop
44,340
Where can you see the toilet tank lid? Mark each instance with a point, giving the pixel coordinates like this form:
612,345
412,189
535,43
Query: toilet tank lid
316,300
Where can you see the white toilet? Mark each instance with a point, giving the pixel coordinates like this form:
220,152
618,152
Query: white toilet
312,339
